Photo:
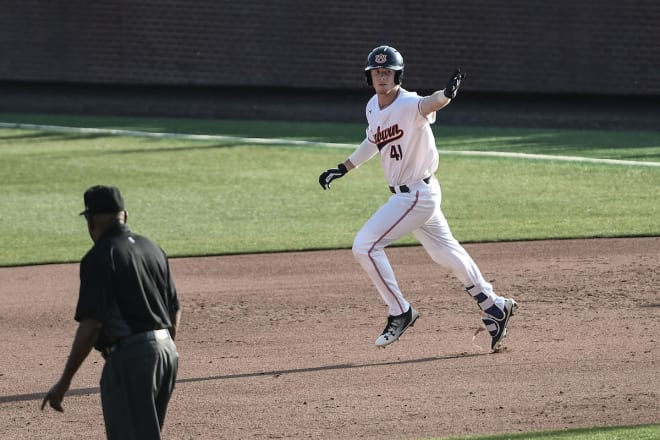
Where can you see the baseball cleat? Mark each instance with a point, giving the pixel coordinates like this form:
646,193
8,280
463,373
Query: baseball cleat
396,326
497,328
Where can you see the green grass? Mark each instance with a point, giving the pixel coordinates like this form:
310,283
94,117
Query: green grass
645,432
213,197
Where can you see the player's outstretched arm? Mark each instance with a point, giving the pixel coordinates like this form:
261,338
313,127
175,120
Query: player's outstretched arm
441,98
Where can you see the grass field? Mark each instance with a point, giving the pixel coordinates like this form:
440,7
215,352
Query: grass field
225,196
649,432
204,197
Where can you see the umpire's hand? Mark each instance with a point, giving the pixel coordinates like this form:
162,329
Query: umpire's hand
55,396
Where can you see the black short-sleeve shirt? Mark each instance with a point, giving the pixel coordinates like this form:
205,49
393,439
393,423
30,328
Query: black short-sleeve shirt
126,284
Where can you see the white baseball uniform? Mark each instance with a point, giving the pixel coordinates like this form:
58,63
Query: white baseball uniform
409,157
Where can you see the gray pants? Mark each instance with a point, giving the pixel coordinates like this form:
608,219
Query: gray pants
136,384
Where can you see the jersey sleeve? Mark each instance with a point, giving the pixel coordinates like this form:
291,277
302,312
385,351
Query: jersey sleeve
94,283
363,153
171,293
424,119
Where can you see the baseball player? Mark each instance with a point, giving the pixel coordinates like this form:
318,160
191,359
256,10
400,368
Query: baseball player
399,130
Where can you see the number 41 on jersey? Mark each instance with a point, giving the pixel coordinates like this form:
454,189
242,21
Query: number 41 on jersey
395,152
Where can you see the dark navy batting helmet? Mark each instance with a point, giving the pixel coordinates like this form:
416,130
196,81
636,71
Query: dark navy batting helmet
384,57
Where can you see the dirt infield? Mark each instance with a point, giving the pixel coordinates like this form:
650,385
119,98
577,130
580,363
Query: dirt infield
281,346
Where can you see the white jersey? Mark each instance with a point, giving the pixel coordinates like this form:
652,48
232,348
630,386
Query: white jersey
404,138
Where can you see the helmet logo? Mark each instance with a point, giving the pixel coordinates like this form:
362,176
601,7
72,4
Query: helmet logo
381,58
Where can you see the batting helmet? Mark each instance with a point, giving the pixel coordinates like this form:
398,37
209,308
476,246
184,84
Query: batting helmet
384,57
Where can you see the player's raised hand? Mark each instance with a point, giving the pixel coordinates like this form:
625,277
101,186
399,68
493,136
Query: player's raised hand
451,89
331,174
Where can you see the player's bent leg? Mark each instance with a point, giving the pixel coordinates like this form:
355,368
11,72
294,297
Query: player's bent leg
399,216
445,250
392,221
374,261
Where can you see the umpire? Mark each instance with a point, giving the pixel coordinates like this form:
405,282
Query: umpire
127,309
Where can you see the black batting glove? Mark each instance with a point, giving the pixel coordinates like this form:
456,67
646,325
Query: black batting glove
453,84
328,176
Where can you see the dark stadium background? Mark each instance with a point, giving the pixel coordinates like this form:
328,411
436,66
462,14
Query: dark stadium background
582,64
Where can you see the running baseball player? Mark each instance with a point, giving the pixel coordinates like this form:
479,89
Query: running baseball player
399,129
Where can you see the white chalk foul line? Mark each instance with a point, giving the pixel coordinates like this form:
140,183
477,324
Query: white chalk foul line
268,141
552,157
153,134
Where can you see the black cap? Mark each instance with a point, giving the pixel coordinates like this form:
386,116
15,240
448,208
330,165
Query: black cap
102,199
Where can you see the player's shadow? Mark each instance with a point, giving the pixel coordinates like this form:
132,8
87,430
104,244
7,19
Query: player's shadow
273,373
277,373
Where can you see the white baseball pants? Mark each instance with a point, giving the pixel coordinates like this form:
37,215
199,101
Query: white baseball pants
418,211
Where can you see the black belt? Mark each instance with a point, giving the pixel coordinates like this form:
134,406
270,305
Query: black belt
405,189
151,335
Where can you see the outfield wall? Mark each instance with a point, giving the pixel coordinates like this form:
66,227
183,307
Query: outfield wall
604,47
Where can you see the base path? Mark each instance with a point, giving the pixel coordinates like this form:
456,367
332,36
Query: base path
281,346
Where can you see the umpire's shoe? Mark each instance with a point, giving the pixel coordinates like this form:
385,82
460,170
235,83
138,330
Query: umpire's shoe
396,325
497,328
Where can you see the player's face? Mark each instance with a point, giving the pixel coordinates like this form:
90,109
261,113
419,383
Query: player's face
383,80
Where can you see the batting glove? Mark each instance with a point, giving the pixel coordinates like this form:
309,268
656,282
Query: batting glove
453,84
328,176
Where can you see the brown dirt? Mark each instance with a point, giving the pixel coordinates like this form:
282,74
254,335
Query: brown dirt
281,346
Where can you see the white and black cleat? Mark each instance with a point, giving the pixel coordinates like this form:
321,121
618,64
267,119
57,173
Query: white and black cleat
497,328
396,326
